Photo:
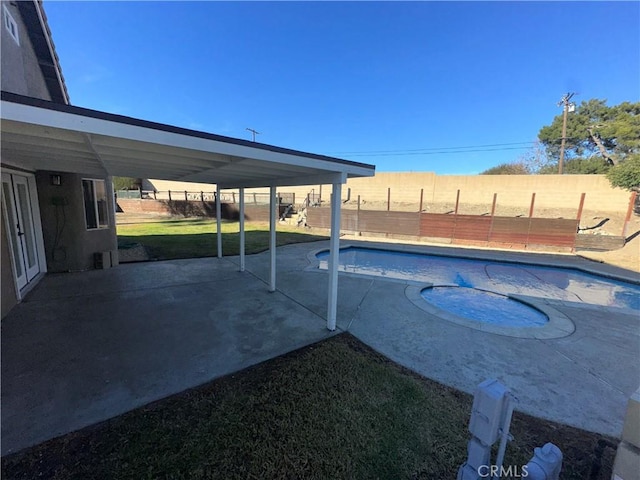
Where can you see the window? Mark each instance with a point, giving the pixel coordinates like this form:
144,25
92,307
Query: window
95,203
11,25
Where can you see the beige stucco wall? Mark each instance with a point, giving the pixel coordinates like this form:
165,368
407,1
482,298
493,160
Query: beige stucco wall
551,190
512,190
76,245
164,185
20,71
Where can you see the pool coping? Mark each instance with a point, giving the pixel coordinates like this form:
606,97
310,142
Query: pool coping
558,326
534,258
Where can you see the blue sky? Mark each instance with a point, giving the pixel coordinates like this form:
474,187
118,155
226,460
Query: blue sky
402,85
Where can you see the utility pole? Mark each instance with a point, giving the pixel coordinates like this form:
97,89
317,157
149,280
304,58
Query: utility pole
566,108
254,132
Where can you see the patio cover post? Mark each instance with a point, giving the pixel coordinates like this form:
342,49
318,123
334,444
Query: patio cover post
218,221
242,229
334,245
272,238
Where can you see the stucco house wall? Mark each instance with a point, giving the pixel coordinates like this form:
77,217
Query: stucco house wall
20,68
33,70
69,246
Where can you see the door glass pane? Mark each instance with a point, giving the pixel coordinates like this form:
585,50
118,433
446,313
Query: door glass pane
89,205
101,200
27,224
10,210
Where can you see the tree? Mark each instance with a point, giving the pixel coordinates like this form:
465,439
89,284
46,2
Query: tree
517,168
626,174
535,158
595,130
126,183
579,166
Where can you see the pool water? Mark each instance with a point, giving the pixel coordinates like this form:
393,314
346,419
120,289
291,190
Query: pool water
487,307
501,278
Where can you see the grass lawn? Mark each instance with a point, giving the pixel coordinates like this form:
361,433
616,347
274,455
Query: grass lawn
334,410
196,237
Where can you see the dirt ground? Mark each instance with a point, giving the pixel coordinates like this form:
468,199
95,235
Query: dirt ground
627,257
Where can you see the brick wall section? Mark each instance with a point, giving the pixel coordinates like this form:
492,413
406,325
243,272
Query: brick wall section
173,207
131,205
194,208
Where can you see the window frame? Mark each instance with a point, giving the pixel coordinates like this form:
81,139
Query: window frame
11,25
95,200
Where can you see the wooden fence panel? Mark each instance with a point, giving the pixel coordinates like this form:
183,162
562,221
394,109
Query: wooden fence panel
496,231
553,231
437,225
600,243
472,227
321,218
348,220
400,223
510,230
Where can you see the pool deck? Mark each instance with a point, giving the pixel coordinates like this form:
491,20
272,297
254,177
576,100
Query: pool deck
84,347
583,379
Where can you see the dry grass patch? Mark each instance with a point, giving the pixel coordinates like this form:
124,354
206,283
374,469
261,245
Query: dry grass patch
334,410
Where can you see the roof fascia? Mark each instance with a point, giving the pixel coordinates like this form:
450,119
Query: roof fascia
319,179
63,119
84,112
42,16
32,12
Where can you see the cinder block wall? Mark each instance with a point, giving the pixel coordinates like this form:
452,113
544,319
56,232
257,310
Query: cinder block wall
405,187
513,190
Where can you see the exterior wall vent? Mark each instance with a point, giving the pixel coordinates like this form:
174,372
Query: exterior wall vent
11,25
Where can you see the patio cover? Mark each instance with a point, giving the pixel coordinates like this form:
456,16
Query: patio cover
52,136
42,135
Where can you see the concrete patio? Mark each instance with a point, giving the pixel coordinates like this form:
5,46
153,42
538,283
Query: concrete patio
85,347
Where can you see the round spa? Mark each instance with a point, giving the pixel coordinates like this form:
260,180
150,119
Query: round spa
506,298
483,306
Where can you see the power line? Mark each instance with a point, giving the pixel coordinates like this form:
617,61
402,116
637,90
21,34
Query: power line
447,150
432,148
441,152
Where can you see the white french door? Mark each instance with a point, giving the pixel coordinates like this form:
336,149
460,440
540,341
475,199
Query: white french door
16,197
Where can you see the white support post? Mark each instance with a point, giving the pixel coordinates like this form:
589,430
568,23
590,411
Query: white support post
218,221
242,229
334,245
109,186
272,239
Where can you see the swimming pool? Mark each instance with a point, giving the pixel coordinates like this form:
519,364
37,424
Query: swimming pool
502,278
